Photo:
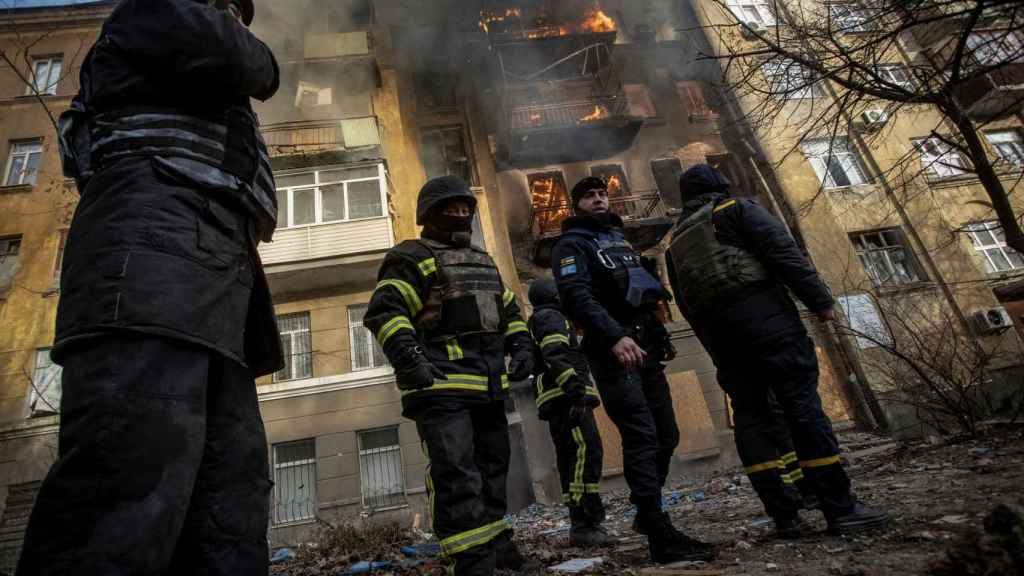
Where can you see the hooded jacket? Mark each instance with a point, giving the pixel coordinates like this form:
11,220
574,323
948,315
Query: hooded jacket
562,374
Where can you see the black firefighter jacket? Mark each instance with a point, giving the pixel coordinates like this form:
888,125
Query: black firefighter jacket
562,374
764,311
152,248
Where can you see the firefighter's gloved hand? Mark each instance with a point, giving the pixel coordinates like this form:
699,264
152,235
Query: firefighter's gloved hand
521,365
417,373
578,411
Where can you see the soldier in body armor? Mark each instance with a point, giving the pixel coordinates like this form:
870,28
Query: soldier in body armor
607,290
730,264
446,322
165,318
566,399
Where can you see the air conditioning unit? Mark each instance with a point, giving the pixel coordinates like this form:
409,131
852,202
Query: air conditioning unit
874,119
992,320
747,32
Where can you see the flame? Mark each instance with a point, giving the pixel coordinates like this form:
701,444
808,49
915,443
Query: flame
614,185
536,119
488,17
596,20
599,113
549,201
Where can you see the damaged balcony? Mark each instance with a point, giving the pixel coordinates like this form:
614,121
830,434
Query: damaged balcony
994,95
322,142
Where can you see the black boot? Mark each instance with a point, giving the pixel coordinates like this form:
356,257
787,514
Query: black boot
589,536
667,544
860,518
507,556
787,528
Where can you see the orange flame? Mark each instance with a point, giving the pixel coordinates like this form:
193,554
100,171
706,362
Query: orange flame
487,17
614,185
549,203
599,113
596,20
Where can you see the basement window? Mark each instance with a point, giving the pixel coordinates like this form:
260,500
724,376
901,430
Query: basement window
44,398
381,474
294,481
887,258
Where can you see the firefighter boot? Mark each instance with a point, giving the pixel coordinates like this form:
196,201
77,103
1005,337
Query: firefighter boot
860,518
507,556
586,535
788,527
667,544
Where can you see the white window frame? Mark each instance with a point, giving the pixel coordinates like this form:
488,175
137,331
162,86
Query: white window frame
991,48
354,326
48,87
939,159
827,155
1009,146
318,214
395,498
780,76
291,370
44,398
286,475
24,149
885,253
997,248
855,18
753,11
896,74
10,247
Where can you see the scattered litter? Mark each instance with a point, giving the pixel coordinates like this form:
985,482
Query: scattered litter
744,545
979,452
698,496
762,521
771,567
367,567
952,519
422,550
577,565
282,555
669,571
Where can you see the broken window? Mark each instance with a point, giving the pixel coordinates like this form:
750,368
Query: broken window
788,80
23,163
691,93
886,257
335,195
640,103
613,175
444,153
308,94
849,17
666,175
381,475
550,200
1009,146
297,344
753,11
835,161
9,248
939,159
294,481
44,398
366,352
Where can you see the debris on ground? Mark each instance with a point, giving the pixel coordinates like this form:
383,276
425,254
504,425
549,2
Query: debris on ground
997,550
576,565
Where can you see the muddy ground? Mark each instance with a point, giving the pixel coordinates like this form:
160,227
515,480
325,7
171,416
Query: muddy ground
937,493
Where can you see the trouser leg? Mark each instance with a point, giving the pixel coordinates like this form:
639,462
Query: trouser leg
492,454
132,436
591,508
659,400
225,532
580,457
455,487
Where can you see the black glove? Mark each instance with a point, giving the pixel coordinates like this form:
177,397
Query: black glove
578,411
417,373
521,365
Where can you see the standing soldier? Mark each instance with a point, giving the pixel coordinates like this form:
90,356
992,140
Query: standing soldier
446,322
730,263
165,318
566,400
606,291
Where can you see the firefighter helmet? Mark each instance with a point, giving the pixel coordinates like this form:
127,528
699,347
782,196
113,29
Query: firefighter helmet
440,190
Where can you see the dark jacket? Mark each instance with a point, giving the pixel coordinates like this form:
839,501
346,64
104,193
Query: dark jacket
474,365
562,375
765,310
591,292
154,247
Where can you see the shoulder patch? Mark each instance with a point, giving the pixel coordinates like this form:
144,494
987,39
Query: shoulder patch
568,269
724,205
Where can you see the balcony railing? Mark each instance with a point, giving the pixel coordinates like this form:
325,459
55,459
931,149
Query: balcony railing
567,114
547,221
308,136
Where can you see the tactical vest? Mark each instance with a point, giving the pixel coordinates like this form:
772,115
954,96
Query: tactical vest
635,284
706,269
467,297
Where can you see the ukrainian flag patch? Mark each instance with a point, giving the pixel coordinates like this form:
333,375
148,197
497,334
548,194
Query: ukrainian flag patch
568,265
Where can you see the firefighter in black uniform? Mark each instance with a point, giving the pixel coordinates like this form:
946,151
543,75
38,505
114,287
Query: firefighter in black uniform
162,465
566,398
446,322
730,263
608,292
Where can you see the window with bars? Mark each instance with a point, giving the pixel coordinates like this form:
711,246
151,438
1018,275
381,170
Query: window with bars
23,163
9,249
1009,146
995,47
45,76
789,80
896,74
294,481
886,257
444,153
366,352
297,343
990,244
44,398
380,469
330,195
753,11
835,162
849,17
939,159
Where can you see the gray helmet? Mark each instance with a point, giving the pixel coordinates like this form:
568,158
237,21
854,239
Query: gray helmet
440,190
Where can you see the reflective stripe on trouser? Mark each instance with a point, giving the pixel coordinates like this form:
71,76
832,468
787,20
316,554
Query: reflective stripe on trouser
580,457
777,411
468,449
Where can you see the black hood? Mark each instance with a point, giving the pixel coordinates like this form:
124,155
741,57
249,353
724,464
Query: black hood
544,292
438,191
701,180
694,204
596,222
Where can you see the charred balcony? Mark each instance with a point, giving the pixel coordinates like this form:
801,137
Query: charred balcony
995,94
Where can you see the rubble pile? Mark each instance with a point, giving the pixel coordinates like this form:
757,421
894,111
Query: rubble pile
346,550
997,550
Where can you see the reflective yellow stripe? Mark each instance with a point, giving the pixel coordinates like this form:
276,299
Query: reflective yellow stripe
504,382
554,339
581,459
412,299
476,537
515,327
786,478
454,349
592,489
770,465
796,475
508,297
468,382
564,376
591,391
788,459
724,205
549,395
819,462
428,267
430,483
394,325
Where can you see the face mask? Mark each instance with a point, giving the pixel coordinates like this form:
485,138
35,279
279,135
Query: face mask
453,223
